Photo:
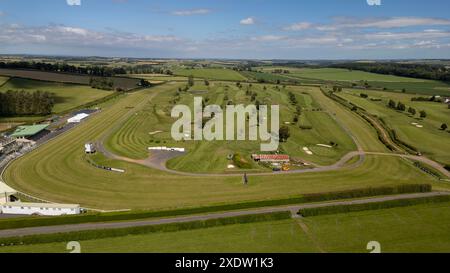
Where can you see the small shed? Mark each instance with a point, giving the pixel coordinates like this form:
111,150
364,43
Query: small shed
78,118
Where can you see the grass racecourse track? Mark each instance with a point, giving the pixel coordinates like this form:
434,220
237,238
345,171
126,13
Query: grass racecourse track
421,228
3,80
58,171
67,96
135,137
211,73
429,139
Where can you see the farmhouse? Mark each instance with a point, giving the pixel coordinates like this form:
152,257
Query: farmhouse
30,133
271,158
39,209
78,118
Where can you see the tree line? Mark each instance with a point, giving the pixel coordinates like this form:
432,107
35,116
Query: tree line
101,71
422,71
22,103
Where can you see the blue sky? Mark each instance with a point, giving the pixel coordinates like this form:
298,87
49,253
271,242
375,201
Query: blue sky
254,29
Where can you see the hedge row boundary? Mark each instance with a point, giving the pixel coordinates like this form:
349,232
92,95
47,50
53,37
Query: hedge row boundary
339,209
136,215
172,227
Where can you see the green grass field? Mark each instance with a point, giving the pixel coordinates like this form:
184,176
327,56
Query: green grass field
67,96
392,83
337,74
58,170
429,139
3,80
133,139
211,74
422,228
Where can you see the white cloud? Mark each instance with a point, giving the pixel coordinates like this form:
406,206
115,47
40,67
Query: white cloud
74,36
267,38
191,12
248,21
340,23
73,2
299,26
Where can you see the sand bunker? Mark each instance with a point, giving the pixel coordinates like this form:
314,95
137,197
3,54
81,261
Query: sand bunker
306,149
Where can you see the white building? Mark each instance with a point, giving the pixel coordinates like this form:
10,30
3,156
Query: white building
89,148
78,118
6,193
43,209
182,150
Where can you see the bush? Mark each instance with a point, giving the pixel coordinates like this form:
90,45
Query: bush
372,206
365,192
240,162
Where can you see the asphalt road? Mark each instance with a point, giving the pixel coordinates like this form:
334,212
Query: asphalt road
183,219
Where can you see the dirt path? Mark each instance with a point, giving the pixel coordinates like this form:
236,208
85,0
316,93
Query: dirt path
313,239
184,219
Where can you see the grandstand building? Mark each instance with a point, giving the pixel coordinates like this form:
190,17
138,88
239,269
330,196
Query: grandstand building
30,133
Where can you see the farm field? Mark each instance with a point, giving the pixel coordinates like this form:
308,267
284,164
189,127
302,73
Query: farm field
133,139
119,82
67,96
211,73
157,77
337,74
58,171
391,82
415,229
429,139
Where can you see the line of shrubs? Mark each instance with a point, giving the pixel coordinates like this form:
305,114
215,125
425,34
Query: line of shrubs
172,227
372,206
134,215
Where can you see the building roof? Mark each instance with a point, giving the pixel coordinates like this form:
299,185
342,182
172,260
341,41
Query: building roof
42,205
271,157
29,130
79,116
